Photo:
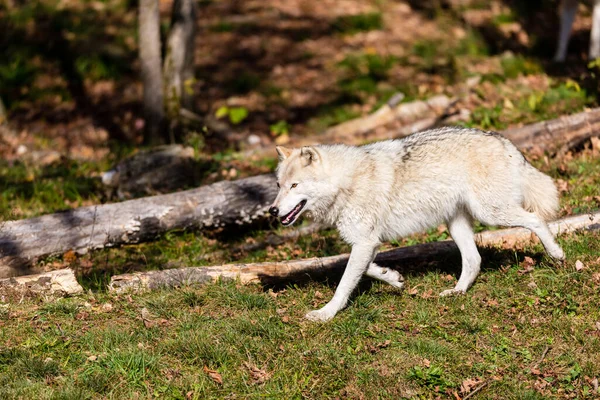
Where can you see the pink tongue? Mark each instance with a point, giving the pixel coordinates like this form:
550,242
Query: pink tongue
290,215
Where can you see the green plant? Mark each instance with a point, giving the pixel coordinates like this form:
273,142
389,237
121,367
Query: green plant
280,128
236,114
349,24
431,377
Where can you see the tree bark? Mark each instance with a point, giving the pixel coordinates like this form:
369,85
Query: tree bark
57,283
558,135
272,272
217,205
150,59
357,130
178,67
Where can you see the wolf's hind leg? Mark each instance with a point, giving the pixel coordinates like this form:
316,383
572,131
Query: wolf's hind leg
521,217
461,230
387,275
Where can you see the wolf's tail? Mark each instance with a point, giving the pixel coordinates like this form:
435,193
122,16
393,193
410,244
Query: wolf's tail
540,195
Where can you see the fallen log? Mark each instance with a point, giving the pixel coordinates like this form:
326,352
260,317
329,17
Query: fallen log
50,284
223,203
357,130
267,272
558,135
412,116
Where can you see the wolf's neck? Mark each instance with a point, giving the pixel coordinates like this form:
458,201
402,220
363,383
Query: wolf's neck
343,167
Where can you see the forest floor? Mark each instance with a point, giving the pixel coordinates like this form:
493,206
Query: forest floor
292,69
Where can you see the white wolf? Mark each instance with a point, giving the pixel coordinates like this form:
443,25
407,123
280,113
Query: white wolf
393,188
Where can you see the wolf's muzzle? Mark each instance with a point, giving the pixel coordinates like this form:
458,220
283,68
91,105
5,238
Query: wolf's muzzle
274,211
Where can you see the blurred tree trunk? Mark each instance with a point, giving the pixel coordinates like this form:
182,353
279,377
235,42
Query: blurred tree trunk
150,58
178,69
2,112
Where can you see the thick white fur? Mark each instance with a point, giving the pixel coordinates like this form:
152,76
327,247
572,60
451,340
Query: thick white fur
568,10
391,189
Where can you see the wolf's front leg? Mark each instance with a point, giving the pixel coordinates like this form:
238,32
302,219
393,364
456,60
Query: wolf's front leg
361,256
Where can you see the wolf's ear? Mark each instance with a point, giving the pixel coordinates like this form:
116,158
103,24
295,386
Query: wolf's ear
309,155
282,152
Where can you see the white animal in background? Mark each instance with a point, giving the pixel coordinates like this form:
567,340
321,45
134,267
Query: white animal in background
394,188
568,9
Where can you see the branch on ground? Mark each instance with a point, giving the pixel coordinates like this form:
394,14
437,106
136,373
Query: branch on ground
48,285
226,203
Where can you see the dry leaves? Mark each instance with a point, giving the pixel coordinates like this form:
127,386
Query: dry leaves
171,373
579,265
532,285
562,185
526,265
214,375
375,349
413,290
149,320
82,315
275,294
106,307
469,384
69,257
258,375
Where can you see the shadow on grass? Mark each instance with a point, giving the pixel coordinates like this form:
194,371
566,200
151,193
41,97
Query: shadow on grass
448,263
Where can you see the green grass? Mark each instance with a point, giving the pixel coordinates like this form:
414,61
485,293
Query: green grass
525,105
332,115
27,190
349,24
385,344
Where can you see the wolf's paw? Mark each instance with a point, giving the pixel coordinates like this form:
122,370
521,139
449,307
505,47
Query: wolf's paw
452,292
319,315
558,254
395,279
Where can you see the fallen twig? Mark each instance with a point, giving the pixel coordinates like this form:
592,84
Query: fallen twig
477,389
542,357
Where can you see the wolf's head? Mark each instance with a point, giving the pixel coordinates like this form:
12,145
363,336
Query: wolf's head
304,184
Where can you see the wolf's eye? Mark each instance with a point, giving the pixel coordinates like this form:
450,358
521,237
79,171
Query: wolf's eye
278,185
294,185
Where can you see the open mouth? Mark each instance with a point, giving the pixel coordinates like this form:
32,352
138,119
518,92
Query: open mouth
292,215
